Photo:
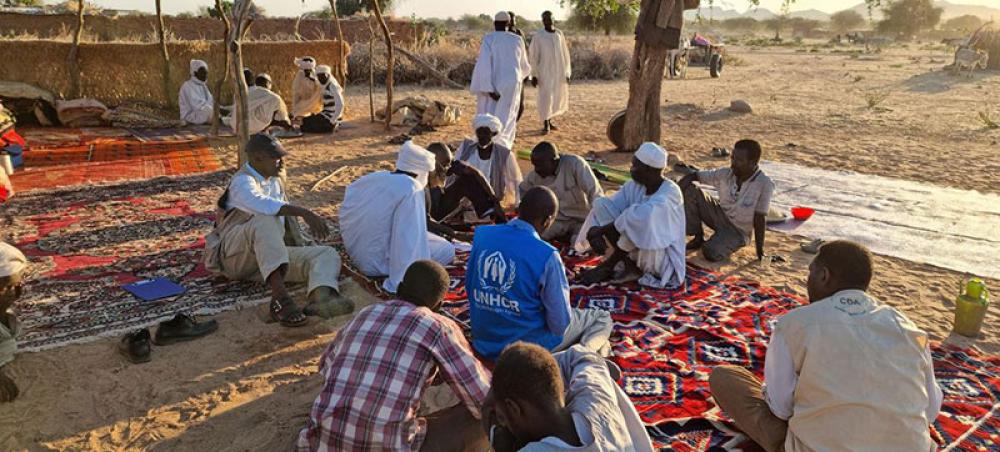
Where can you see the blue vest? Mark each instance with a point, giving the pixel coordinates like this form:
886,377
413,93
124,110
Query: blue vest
502,279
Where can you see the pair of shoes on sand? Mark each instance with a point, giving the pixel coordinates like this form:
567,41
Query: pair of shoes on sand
137,347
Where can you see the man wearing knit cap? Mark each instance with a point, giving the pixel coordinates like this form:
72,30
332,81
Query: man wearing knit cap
642,225
383,219
501,67
195,100
495,160
327,120
307,92
12,264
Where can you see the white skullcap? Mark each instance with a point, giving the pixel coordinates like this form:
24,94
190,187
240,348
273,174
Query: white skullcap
324,69
652,154
502,16
306,62
415,159
197,64
486,120
12,260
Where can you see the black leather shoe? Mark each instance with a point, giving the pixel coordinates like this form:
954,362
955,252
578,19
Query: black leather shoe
183,328
135,346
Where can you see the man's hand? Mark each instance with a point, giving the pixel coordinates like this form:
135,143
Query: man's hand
495,96
687,180
534,82
317,225
596,238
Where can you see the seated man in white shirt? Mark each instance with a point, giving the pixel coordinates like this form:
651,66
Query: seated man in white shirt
383,219
844,372
257,237
265,107
495,161
571,403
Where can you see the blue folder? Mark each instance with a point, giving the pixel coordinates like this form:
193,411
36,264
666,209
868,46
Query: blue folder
154,289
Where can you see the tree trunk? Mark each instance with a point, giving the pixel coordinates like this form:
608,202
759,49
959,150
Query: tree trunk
74,53
642,117
389,66
340,69
225,71
162,34
241,110
371,70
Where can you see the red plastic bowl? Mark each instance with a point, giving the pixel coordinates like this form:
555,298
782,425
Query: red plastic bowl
802,213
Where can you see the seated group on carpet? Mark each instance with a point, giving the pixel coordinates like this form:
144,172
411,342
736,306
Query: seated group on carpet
317,104
839,373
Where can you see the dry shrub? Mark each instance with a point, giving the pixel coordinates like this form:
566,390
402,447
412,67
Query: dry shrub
875,97
988,119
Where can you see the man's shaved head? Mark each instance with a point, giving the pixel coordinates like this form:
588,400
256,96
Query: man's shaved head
545,159
425,283
538,207
442,153
545,150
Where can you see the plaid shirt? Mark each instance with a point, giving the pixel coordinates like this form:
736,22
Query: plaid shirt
375,373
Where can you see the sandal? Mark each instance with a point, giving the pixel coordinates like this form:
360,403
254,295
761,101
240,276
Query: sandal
813,246
720,152
292,316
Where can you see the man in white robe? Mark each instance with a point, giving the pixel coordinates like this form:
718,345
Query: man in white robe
550,71
501,67
265,107
494,159
383,219
644,225
307,92
195,100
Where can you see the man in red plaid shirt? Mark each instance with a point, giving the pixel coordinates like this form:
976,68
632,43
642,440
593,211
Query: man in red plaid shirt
378,366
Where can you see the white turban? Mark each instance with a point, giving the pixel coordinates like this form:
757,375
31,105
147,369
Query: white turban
502,16
198,64
487,120
324,69
12,261
652,154
306,62
415,159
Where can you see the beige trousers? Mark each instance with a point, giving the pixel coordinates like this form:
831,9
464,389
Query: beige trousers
255,249
738,392
561,228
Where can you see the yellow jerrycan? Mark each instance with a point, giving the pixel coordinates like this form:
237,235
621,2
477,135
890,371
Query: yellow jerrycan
970,307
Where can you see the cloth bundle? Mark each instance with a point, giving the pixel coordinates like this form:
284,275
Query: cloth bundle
81,112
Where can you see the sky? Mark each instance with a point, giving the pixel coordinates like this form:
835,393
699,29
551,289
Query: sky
456,8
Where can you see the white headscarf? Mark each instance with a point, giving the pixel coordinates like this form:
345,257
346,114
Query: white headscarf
502,16
12,260
652,154
487,120
197,64
417,160
306,62
324,69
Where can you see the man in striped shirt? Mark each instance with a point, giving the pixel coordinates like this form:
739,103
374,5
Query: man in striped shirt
327,120
376,370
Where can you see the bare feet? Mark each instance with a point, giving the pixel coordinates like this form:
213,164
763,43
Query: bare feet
695,243
597,274
630,274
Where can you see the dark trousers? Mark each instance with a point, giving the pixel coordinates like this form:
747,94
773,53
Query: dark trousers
444,201
316,123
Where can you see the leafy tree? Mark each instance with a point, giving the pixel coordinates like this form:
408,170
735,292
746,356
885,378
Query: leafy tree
347,8
747,24
847,20
802,26
480,22
908,17
967,23
620,21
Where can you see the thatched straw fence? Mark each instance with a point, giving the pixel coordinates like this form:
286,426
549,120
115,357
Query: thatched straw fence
116,72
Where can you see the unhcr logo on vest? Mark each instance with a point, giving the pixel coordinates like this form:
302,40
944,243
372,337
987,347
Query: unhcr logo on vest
496,278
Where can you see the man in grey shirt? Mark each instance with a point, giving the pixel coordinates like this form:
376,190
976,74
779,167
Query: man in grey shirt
744,198
573,182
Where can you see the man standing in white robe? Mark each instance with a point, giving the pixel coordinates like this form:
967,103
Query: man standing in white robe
644,225
195,100
383,219
307,92
550,71
498,76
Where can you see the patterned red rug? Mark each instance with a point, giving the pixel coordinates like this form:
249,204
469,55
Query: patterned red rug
667,342
84,243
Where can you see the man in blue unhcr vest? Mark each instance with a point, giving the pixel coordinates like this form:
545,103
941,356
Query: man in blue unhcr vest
518,289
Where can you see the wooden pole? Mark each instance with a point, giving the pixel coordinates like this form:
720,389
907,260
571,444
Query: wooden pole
74,53
225,70
371,70
340,69
390,63
241,118
162,34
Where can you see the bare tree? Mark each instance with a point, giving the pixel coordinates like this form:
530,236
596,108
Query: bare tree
162,34
239,23
225,70
340,72
74,52
390,63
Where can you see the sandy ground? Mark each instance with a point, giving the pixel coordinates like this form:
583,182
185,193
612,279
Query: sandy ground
250,386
